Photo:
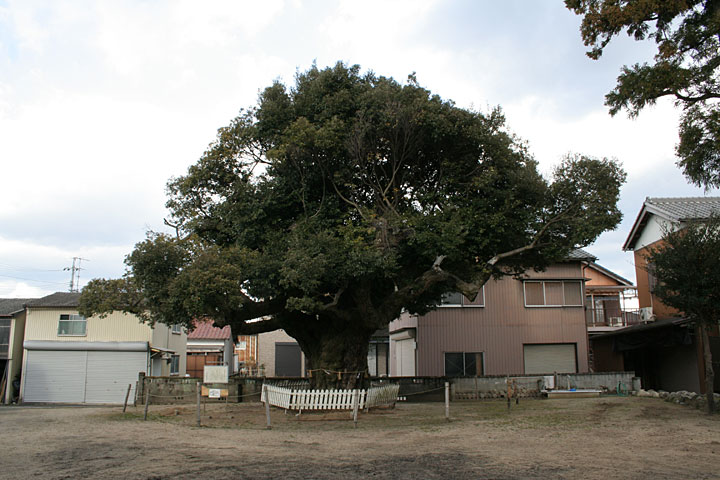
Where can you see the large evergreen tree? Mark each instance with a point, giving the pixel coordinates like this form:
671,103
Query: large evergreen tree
686,68
687,267
332,206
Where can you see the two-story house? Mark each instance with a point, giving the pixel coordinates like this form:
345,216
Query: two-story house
72,359
664,350
531,325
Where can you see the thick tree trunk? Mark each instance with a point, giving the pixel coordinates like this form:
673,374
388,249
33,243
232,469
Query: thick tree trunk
337,358
709,372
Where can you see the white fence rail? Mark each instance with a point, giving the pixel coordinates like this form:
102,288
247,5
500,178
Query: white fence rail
328,399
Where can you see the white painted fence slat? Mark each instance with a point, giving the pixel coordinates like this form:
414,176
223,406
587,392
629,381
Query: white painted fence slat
328,399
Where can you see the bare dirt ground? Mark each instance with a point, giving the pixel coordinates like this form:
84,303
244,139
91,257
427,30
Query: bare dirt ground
604,438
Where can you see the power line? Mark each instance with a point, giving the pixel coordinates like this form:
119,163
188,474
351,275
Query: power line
25,269
32,280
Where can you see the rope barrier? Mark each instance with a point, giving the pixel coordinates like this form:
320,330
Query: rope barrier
152,395
424,391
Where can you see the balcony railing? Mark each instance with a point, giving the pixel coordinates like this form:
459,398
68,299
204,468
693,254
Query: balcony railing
599,317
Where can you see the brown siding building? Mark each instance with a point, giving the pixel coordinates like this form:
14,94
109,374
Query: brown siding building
514,327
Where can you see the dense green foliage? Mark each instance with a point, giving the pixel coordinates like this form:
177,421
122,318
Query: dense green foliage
686,68
687,267
334,205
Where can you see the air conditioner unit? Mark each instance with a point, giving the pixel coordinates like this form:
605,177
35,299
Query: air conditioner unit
646,315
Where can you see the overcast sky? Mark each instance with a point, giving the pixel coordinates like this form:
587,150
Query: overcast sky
102,102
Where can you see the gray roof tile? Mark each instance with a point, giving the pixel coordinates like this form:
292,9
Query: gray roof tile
685,208
8,306
57,299
580,254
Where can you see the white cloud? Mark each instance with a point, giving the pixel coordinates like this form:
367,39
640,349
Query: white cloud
13,289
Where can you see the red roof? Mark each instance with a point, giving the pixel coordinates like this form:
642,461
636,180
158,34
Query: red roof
206,330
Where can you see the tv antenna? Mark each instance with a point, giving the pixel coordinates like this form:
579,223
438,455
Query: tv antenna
75,273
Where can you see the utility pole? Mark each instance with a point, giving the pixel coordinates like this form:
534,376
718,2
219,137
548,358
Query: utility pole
75,273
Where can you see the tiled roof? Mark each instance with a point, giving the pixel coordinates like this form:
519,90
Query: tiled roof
679,209
206,330
8,306
57,299
580,254
685,208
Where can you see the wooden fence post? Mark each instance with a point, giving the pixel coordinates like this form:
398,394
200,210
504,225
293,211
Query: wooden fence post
127,395
197,389
356,397
146,390
447,401
267,405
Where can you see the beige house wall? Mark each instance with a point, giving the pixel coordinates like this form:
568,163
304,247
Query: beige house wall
266,350
163,337
15,354
42,324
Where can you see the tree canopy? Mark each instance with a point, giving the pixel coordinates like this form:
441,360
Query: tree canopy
332,206
687,34
687,267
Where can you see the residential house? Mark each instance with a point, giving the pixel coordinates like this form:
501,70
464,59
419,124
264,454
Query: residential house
68,358
530,325
279,355
665,353
12,329
209,345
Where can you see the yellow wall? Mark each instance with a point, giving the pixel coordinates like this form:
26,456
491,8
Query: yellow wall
42,324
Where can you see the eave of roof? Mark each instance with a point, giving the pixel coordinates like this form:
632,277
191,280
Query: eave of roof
660,323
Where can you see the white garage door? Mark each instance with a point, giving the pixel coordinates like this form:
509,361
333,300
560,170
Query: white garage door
69,376
110,373
550,358
52,376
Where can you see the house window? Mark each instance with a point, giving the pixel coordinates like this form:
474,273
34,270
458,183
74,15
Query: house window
175,365
652,278
4,337
463,364
553,293
457,299
72,325
176,328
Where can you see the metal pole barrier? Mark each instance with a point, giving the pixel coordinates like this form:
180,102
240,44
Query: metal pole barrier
356,394
127,395
447,401
267,405
197,388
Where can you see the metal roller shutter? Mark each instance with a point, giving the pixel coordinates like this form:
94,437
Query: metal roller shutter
81,376
550,358
110,373
54,376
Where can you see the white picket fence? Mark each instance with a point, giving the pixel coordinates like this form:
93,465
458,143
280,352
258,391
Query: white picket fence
329,399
